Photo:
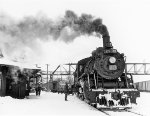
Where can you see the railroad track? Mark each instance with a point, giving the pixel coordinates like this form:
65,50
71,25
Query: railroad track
113,112
134,112
104,112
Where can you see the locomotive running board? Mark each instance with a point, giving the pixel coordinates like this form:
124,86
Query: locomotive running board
113,90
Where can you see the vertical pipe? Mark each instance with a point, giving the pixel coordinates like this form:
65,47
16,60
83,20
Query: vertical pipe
95,81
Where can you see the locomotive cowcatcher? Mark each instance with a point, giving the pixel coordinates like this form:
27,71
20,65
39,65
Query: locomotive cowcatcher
101,79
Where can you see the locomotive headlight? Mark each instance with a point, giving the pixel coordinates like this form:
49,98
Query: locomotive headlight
112,60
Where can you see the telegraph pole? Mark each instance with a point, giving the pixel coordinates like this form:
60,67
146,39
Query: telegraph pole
47,78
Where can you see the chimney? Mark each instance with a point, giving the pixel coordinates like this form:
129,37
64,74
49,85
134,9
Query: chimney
106,38
106,42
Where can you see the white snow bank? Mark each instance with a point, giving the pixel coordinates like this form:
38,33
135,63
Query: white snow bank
46,104
50,104
143,104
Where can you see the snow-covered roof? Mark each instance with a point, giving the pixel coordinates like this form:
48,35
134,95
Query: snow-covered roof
5,61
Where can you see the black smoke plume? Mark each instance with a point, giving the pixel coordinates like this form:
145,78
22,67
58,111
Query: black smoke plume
42,27
20,34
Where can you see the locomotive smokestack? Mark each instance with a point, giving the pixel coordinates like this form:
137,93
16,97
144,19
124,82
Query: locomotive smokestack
102,29
105,36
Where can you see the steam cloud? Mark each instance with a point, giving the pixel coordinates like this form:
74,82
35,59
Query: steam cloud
25,34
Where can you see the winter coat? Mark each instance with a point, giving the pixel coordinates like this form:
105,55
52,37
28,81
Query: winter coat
66,89
38,88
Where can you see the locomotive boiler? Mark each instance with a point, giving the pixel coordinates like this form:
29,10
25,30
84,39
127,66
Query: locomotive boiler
101,78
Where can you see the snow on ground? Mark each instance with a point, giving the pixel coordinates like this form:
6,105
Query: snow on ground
54,104
143,106
46,104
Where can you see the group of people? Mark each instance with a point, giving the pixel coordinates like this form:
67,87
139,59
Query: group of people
38,89
66,90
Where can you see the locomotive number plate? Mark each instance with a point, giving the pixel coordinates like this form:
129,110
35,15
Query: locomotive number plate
112,67
110,51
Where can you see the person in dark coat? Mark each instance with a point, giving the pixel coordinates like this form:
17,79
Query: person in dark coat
38,90
27,91
66,90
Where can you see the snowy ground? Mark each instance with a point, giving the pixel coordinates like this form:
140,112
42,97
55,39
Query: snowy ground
143,106
46,104
54,104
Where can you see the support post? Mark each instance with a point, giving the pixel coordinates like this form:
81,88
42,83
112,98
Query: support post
69,69
47,78
126,76
144,68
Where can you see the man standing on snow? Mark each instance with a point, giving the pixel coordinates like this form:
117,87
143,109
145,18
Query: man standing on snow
66,91
38,90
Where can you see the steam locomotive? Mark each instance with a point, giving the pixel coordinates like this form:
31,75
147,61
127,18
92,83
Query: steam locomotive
101,79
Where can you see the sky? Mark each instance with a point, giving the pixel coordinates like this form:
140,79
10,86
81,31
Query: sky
128,23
